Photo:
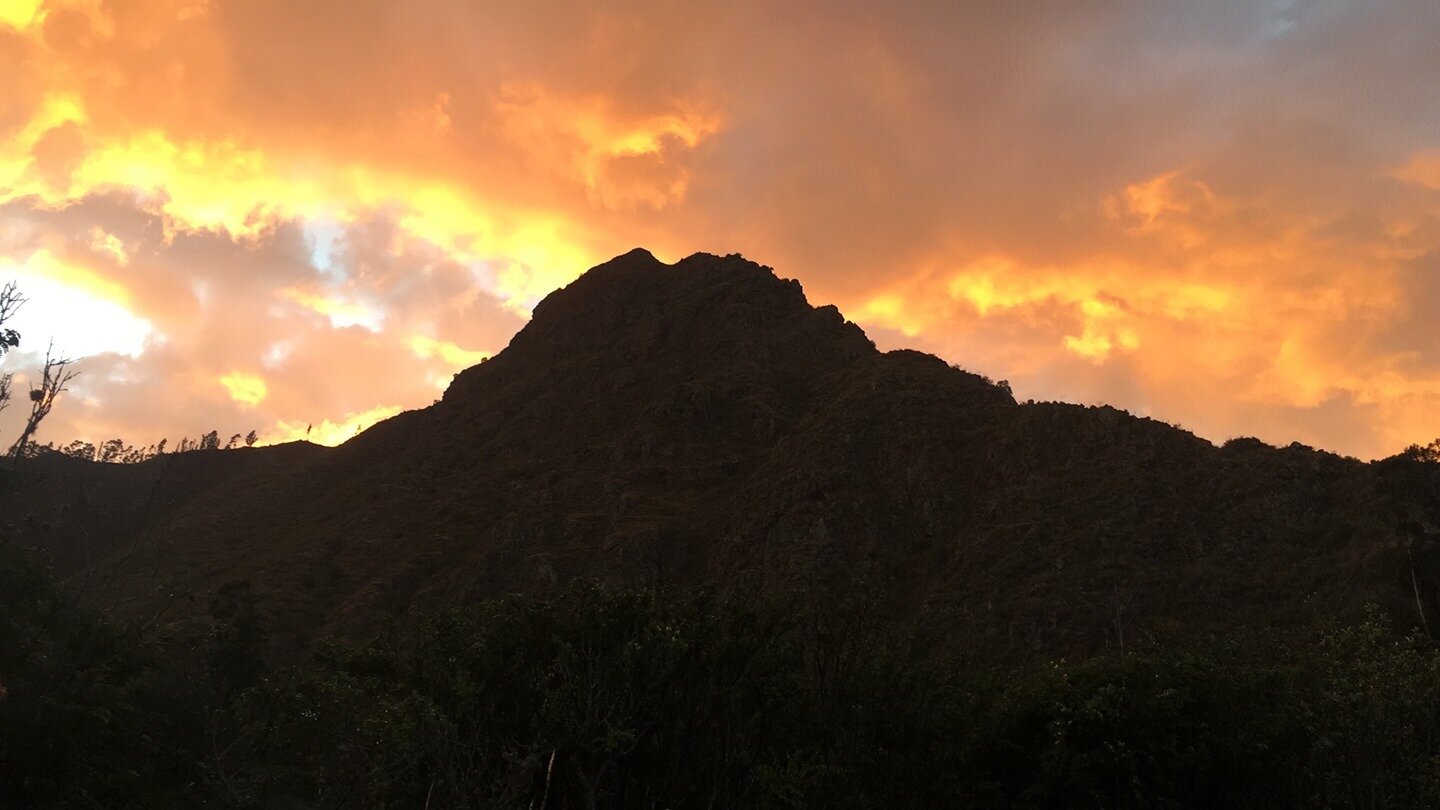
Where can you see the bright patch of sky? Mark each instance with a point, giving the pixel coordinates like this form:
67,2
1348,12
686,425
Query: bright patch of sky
321,236
277,353
1280,18
80,322
483,273
366,317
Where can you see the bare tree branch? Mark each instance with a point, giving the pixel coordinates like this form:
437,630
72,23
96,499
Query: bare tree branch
53,379
10,301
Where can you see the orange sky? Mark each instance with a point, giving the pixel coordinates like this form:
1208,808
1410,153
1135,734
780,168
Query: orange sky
272,215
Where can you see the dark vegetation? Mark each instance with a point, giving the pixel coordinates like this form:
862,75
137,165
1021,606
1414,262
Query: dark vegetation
118,451
690,542
642,698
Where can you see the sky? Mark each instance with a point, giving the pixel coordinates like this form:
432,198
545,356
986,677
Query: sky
303,217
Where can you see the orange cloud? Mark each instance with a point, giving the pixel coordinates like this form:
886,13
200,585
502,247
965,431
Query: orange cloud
622,161
1262,303
242,191
109,245
1107,299
328,432
1240,235
1423,169
75,276
427,347
340,313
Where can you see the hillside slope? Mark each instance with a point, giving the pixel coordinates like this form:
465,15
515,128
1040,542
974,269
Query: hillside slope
701,423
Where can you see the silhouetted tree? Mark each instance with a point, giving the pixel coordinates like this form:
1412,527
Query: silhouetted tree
118,451
1427,453
251,438
113,450
10,301
53,379
79,449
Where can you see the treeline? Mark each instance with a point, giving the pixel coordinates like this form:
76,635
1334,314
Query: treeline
601,697
643,699
117,451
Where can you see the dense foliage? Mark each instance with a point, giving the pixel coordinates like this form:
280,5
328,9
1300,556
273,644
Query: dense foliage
621,698
90,713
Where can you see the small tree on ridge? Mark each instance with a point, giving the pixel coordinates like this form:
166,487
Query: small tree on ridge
53,379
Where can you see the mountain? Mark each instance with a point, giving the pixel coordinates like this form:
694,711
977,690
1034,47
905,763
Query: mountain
701,424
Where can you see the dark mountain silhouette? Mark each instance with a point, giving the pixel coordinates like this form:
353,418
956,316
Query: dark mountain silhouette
701,424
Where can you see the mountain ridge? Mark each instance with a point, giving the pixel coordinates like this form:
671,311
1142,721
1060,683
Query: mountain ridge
701,424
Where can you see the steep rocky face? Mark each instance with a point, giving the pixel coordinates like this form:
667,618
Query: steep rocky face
701,424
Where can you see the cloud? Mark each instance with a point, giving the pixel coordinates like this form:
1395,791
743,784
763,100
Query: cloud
229,345
1423,168
427,347
1206,213
246,389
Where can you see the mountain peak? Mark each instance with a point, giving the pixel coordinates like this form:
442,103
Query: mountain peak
637,274
688,317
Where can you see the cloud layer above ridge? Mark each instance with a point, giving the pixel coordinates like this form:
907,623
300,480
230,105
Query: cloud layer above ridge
305,217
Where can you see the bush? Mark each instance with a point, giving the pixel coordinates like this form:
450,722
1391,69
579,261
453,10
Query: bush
89,718
620,698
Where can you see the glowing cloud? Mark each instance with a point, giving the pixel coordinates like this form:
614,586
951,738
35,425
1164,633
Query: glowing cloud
340,313
223,186
246,389
427,347
328,432
20,14
590,137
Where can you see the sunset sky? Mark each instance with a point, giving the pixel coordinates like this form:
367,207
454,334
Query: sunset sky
268,215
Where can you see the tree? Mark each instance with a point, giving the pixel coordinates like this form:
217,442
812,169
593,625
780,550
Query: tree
80,449
210,441
251,438
1429,453
111,451
53,379
10,301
